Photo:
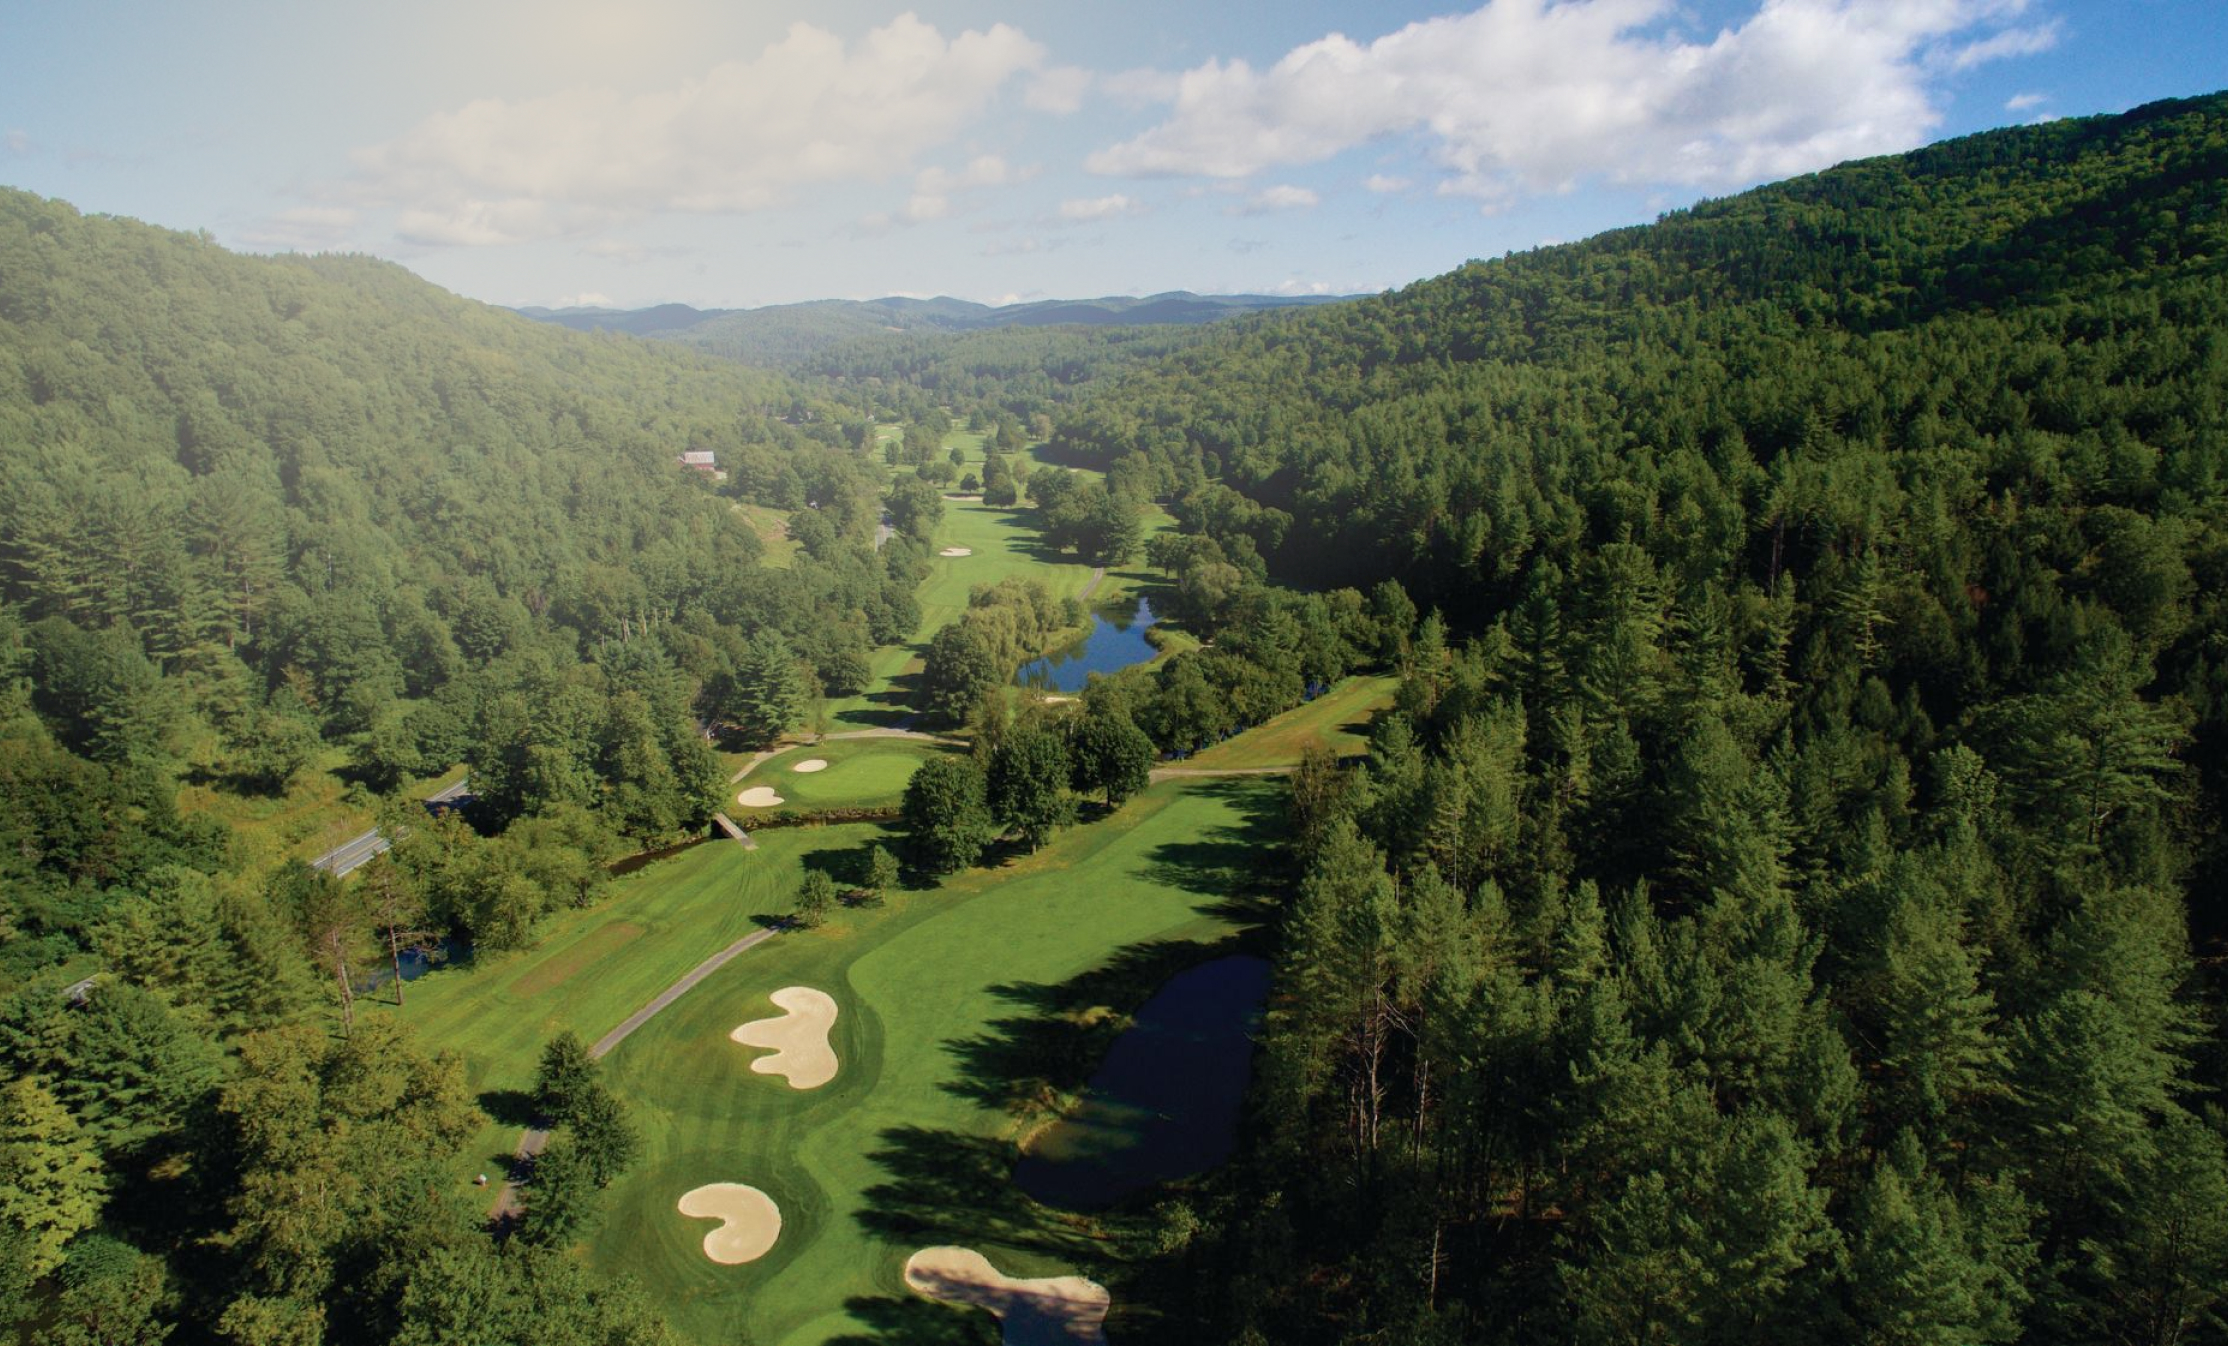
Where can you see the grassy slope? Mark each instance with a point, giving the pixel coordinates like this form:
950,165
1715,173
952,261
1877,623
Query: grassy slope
1335,720
899,1151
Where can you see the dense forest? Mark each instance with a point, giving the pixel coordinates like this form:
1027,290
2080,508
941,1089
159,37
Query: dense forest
264,518
1783,904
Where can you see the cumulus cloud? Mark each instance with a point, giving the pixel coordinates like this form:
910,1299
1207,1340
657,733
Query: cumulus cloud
1058,90
1521,95
935,188
742,136
1081,210
1385,184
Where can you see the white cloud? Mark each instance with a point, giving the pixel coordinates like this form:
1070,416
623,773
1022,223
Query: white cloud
1058,90
303,229
2008,43
1521,95
740,137
935,188
1078,210
1385,184
2025,102
1283,196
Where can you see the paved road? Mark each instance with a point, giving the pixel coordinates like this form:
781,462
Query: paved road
353,854
531,1141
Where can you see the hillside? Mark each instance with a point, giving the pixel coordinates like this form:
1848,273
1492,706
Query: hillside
782,335
1767,912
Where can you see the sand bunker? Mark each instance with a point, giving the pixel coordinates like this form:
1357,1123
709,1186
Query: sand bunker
810,765
799,1038
749,1221
957,551
1048,1311
758,797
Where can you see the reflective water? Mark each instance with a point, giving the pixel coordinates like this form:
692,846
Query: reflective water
1117,640
1165,1103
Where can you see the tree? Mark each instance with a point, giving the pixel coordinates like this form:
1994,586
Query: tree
562,1201
111,1293
1111,754
603,1134
1925,1272
946,813
961,665
815,897
881,872
1028,785
50,1181
768,691
395,903
565,1079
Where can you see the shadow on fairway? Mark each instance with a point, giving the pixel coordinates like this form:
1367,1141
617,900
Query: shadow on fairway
511,1107
1027,1063
916,1322
948,1188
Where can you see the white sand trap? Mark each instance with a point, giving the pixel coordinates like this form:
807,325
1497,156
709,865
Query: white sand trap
957,551
799,1038
758,797
1048,1311
1058,700
749,1221
810,765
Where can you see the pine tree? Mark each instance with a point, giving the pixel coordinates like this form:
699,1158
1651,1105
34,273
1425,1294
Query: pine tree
50,1180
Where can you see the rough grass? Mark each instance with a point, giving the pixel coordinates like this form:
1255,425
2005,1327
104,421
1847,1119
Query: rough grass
1336,720
772,528
943,994
551,973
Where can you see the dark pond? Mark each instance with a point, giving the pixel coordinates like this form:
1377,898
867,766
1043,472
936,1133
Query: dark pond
416,963
1165,1103
1117,640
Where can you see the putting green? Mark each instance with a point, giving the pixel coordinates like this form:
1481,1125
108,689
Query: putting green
860,773
910,1144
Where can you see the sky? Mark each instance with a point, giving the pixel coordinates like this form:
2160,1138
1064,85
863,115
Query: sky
733,153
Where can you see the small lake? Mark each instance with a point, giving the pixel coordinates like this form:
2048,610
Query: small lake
1165,1104
1117,640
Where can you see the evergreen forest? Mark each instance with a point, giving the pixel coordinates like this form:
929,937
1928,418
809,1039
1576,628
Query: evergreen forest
1781,903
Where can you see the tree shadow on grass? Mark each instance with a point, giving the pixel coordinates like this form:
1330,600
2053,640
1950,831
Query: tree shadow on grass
511,1107
1225,863
946,1188
917,1322
1028,1063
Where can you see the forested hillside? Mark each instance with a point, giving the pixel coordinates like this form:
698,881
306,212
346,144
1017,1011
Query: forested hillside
1767,914
268,521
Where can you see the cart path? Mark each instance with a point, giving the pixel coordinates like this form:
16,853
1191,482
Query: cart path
531,1141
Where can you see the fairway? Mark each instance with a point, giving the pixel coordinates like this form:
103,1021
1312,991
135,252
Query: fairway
593,968
943,995
1337,720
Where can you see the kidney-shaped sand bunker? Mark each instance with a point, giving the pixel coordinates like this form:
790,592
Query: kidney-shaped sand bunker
749,1221
802,1052
1047,1311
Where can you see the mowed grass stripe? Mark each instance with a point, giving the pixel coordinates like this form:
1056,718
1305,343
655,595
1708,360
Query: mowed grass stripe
915,981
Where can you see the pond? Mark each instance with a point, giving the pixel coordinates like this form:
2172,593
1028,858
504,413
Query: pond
1165,1103
1117,640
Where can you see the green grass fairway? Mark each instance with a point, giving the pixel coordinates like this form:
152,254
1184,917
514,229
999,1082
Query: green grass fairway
1003,544
861,773
951,999
593,968
1335,720
772,528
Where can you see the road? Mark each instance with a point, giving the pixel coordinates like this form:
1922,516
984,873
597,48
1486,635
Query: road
353,854
531,1141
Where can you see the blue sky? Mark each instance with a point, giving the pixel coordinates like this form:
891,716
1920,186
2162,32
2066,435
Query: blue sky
731,154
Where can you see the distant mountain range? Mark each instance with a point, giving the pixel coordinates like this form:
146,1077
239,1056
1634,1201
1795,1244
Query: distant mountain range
784,333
